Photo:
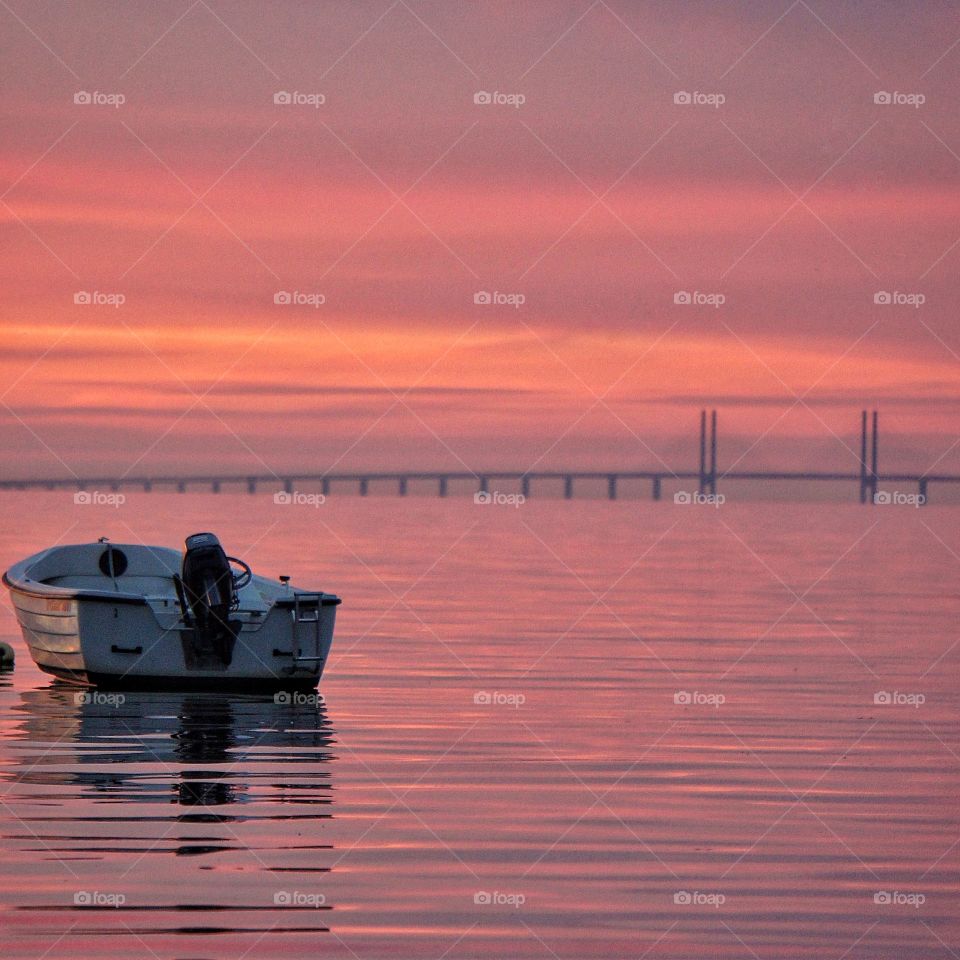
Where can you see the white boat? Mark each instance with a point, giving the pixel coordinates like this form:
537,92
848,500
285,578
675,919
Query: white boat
134,616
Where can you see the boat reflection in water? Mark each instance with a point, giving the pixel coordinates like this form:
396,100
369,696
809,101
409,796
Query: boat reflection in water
167,815
211,749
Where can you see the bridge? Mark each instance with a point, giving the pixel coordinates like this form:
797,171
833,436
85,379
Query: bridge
866,477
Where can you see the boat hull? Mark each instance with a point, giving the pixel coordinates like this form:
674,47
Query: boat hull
113,642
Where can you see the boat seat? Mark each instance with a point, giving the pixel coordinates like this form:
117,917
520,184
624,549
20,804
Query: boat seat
145,586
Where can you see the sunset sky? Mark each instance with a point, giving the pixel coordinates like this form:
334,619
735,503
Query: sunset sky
595,201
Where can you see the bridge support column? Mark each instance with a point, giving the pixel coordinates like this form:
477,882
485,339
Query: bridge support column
402,486
656,487
181,487
923,491
288,486
484,484
363,486
442,486
215,486
525,486
612,487
325,486
251,485
147,486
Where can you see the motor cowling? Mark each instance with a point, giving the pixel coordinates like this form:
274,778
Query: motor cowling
210,594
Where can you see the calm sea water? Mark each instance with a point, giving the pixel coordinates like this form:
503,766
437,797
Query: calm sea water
580,729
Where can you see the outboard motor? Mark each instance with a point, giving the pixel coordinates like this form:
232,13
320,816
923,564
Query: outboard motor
210,592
